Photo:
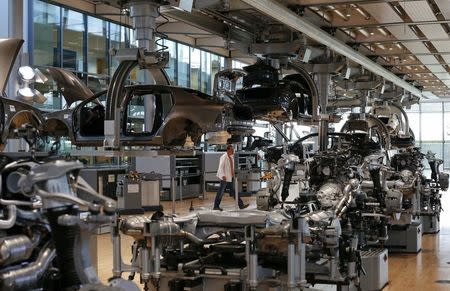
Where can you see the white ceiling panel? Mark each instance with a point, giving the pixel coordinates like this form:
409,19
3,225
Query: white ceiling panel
382,12
416,47
436,68
442,75
444,6
446,58
433,31
446,82
428,59
418,10
402,32
442,46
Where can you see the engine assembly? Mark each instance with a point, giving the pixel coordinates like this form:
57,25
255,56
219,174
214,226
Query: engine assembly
44,242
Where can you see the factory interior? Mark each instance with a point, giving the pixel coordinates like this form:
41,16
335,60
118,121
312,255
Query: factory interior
235,145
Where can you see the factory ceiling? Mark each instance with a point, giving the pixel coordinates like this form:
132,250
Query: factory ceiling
407,38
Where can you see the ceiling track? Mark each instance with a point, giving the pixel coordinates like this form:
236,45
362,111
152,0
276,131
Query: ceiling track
401,23
311,3
395,41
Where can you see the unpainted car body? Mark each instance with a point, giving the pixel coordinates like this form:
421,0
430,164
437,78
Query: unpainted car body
177,113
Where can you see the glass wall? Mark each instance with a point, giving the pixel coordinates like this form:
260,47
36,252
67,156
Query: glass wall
97,46
117,40
171,71
62,37
46,30
430,123
205,72
183,72
66,38
73,40
195,69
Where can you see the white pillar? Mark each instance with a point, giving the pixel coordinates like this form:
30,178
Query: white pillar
14,24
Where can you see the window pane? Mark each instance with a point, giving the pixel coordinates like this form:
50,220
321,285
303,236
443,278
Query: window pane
117,41
97,54
195,69
98,83
53,101
205,72
215,68
172,49
133,41
222,63
432,127
435,147
446,155
447,126
238,65
183,65
414,108
46,18
73,39
414,125
117,36
431,107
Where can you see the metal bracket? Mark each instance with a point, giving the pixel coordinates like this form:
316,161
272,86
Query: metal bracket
145,59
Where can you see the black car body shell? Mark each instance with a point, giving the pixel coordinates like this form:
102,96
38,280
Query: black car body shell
264,97
191,113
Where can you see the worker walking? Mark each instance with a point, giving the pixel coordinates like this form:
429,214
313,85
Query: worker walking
225,173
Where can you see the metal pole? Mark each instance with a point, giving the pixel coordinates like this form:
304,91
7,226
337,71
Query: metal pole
145,262
203,186
323,133
117,251
236,194
302,251
291,282
143,15
181,188
173,192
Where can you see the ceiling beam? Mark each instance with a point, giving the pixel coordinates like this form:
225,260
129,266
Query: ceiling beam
387,54
395,41
215,41
104,10
181,28
401,23
289,18
426,79
210,25
337,2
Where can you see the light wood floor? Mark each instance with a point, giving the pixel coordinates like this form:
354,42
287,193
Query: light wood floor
406,271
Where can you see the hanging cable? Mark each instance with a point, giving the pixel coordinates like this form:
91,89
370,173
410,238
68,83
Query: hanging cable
162,35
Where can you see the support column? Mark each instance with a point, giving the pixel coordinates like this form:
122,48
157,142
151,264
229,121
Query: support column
323,85
12,26
144,14
228,63
323,132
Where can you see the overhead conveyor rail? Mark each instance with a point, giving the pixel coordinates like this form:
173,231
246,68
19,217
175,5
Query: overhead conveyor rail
289,18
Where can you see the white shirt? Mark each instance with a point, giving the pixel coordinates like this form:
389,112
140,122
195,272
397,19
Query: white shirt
225,167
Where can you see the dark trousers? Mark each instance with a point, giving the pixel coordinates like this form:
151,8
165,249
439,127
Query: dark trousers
223,186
